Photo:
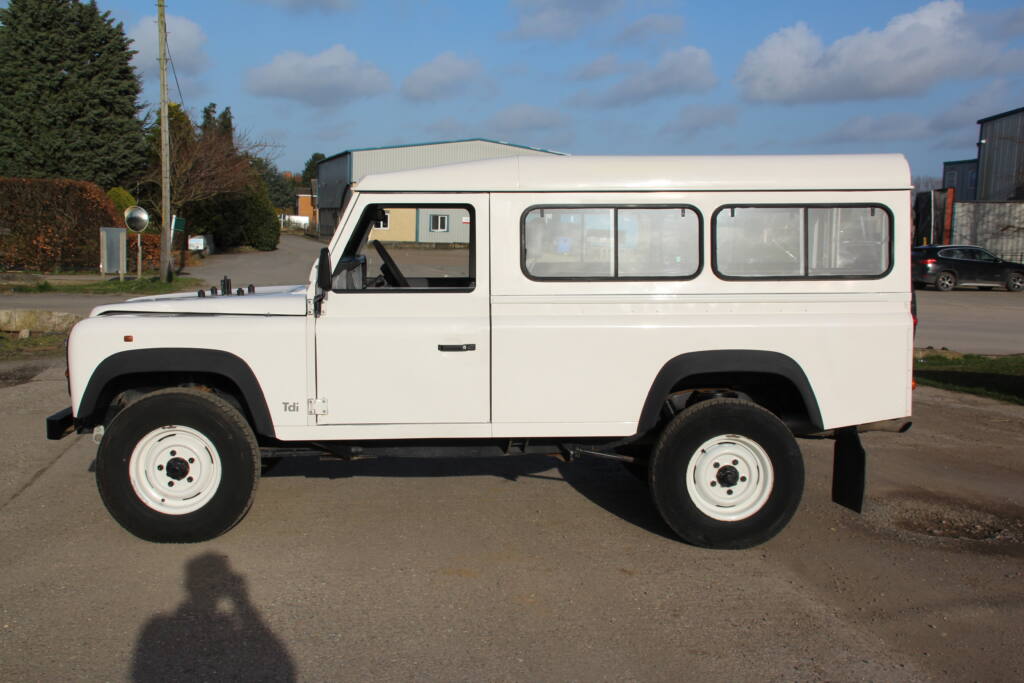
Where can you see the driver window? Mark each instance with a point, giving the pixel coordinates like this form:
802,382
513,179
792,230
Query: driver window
413,247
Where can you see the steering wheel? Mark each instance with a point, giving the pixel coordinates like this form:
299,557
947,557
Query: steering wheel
389,269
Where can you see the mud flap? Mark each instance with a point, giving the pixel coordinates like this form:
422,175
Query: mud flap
848,469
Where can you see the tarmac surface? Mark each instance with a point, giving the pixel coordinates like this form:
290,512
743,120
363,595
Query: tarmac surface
520,568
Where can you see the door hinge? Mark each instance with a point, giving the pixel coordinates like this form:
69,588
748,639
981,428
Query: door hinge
309,307
317,406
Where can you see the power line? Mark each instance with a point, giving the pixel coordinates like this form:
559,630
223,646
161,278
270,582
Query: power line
181,98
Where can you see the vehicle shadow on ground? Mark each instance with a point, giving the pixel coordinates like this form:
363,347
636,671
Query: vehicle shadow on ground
216,633
606,484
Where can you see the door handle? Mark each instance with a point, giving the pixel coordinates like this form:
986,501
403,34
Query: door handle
456,347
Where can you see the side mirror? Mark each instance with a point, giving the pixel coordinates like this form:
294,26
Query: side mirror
323,270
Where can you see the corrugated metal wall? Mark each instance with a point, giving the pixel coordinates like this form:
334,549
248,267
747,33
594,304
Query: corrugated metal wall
996,226
369,161
1001,157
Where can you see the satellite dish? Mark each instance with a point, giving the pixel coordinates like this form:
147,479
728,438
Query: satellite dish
136,218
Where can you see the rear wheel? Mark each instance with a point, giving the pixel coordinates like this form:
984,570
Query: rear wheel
1015,282
726,473
945,281
177,466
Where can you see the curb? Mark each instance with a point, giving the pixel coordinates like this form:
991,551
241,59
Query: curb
18,320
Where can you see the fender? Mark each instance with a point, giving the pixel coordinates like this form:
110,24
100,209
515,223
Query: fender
207,361
737,360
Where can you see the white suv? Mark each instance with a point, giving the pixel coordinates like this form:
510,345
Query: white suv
686,315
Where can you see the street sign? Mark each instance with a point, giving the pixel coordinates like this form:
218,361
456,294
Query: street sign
177,224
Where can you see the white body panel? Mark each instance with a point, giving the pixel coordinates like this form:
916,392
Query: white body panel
553,358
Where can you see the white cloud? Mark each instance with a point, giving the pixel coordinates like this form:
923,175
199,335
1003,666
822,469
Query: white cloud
444,76
305,5
678,72
651,26
185,41
606,65
910,55
959,121
335,76
695,118
559,19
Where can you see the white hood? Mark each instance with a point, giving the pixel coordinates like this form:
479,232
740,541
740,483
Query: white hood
273,300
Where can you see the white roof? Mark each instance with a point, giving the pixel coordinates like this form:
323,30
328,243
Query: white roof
652,173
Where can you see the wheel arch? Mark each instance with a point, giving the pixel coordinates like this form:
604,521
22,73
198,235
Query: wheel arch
168,367
752,372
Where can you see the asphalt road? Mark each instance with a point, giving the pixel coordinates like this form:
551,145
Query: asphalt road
520,569
971,320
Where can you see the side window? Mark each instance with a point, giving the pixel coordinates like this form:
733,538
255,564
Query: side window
604,243
792,242
411,247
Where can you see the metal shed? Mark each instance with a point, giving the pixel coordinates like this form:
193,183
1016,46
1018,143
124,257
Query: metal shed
1001,156
337,172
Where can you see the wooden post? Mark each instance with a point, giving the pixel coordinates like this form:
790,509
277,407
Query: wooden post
165,151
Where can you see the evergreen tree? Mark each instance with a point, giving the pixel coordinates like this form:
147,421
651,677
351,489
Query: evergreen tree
68,94
309,172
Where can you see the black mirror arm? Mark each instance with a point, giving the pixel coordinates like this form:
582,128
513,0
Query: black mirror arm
323,279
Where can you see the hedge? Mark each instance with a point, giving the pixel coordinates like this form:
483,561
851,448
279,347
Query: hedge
53,224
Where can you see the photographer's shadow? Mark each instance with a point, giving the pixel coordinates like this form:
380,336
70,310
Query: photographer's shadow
215,634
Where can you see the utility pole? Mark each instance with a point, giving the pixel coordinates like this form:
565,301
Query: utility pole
165,151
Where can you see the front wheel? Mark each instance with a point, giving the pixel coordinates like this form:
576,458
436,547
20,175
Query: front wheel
178,466
1015,282
726,473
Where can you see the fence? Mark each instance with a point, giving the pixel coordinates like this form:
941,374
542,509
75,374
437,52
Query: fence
995,226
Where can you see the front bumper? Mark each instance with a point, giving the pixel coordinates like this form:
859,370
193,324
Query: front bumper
59,424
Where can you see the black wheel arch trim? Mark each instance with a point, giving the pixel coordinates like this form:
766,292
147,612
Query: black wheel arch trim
721,361
178,360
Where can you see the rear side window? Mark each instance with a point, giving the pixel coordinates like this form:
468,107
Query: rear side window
792,242
608,243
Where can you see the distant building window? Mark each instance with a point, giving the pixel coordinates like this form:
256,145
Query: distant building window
438,222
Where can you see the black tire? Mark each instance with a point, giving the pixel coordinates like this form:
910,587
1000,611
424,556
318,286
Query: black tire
1015,282
945,281
753,444
156,438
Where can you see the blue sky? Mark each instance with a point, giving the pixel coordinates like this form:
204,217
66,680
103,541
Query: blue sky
596,76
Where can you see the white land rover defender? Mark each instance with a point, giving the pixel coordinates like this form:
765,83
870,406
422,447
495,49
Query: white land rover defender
686,315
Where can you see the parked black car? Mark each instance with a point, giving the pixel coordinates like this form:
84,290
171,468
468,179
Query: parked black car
947,266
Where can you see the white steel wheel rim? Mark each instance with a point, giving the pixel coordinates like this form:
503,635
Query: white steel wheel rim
175,470
730,477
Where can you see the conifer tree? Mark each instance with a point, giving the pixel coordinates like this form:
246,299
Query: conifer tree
68,94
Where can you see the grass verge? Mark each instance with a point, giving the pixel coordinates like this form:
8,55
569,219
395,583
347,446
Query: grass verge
36,346
131,287
998,377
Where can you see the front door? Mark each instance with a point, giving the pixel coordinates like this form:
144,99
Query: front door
404,335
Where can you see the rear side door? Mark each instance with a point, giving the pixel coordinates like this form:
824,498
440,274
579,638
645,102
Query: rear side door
404,335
